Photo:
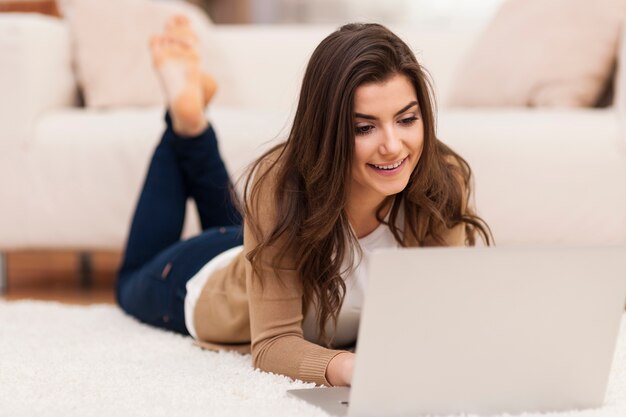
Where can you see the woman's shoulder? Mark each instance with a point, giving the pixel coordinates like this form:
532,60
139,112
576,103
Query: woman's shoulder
271,159
263,173
261,190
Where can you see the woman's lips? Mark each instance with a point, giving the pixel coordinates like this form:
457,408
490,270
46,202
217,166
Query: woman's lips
389,172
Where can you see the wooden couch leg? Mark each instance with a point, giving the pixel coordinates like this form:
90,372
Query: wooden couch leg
3,273
85,270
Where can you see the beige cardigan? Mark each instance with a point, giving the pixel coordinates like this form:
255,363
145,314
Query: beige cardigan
233,312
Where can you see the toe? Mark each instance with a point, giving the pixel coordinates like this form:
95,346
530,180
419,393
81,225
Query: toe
178,25
177,43
176,22
181,20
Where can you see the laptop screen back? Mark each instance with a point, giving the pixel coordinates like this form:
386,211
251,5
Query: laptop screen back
487,330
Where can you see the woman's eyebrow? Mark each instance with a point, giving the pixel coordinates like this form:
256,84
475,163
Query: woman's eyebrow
402,110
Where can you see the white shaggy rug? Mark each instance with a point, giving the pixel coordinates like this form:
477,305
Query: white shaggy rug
61,360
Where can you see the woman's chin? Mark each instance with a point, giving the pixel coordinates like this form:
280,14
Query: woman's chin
391,189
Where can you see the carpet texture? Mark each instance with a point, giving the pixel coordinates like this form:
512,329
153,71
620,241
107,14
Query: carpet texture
60,360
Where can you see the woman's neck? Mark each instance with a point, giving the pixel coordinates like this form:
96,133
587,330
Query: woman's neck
362,214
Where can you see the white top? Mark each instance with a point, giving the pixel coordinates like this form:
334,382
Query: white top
349,316
356,282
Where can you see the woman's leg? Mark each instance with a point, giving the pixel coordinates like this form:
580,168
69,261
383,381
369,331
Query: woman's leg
180,166
156,266
160,212
155,294
205,177
188,91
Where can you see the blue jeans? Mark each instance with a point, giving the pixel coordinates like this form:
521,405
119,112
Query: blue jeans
157,264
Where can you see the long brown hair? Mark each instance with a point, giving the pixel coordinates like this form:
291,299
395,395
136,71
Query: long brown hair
311,172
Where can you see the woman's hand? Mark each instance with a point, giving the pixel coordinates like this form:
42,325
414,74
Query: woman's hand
339,369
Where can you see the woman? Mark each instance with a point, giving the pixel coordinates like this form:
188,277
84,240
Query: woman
361,169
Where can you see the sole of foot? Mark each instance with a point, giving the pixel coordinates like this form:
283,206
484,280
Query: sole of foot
187,88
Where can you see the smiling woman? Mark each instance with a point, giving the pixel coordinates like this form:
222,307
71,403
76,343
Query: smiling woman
361,169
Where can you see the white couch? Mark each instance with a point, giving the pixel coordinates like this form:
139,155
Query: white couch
70,176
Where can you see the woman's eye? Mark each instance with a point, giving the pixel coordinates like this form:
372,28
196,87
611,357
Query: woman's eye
408,121
363,130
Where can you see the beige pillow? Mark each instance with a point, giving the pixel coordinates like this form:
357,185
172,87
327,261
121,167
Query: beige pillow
542,53
111,55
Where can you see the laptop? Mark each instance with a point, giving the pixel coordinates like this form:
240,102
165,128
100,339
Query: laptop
484,331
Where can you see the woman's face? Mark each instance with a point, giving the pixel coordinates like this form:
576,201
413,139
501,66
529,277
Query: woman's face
389,137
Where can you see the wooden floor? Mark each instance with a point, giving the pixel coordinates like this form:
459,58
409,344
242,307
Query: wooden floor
60,276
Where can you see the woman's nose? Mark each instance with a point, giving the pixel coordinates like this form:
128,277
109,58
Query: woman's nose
391,142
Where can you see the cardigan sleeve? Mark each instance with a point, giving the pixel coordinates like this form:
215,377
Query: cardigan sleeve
275,301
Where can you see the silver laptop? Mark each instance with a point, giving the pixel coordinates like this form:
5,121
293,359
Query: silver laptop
484,331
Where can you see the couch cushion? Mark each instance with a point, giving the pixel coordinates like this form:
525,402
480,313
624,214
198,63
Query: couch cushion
111,54
35,73
83,170
542,53
550,177
537,183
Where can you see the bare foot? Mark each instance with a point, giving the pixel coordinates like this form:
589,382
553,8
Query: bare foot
209,87
188,90
179,26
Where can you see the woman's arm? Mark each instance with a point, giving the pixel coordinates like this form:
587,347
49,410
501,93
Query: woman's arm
278,344
275,303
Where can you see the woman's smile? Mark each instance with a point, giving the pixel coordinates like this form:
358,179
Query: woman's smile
389,169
